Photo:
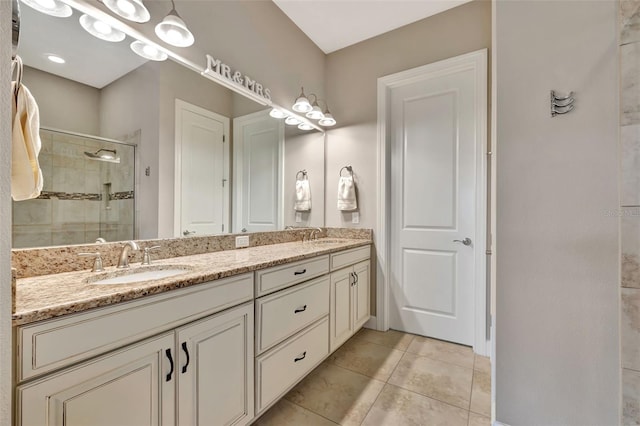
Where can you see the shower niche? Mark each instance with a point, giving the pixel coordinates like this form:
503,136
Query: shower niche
88,193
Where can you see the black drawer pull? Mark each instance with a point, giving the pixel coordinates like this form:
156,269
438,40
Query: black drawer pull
168,353
186,352
304,308
304,354
300,272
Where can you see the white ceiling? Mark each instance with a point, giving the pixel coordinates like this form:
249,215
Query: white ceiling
335,24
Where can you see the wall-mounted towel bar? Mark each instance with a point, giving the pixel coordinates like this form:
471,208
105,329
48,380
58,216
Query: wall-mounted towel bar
348,169
301,172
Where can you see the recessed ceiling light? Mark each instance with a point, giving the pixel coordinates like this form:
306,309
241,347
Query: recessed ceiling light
100,29
56,59
148,51
50,7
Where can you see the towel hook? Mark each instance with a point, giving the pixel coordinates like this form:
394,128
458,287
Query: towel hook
348,168
303,172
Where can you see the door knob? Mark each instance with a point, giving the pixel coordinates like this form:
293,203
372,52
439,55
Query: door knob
187,232
466,241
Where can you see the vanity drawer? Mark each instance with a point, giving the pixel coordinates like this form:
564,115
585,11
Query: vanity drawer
53,344
349,257
282,367
286,312
278,277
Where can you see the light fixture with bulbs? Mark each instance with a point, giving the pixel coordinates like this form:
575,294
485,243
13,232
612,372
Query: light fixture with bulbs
292,121
277,113
173,30
100,29
50,7
148,51
133,10
313,110
302,103
305,126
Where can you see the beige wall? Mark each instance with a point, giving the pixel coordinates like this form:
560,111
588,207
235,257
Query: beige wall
352,74
5,215
557,359
64,104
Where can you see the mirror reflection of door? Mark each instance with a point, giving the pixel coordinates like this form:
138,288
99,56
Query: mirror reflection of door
258,153
202,171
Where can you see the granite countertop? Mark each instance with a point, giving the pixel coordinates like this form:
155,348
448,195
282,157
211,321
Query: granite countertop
50,296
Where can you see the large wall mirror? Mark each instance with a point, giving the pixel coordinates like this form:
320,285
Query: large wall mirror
144,149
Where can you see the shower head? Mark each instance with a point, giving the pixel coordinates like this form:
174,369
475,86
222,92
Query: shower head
108,155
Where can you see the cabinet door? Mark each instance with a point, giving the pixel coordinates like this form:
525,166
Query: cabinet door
340,312
215,369
361,289
127,388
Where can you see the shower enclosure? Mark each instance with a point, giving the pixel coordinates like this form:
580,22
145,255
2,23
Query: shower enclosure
88,192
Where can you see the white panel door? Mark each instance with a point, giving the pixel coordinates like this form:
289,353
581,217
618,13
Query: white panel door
258,172
201,171
215,369
433,193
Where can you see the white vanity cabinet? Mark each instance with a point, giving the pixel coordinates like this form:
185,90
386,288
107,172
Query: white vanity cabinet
199,370
126,387
350,295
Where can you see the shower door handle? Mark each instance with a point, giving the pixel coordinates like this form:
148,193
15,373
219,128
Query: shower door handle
466,241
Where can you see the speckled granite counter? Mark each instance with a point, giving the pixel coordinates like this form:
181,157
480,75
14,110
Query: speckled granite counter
49,296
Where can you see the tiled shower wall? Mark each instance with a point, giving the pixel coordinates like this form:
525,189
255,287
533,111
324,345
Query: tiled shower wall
630,211
82,199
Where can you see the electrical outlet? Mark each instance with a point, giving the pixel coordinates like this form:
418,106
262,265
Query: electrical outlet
242,241
298,217
355,217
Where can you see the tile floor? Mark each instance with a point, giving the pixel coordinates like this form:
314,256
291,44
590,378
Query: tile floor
390,378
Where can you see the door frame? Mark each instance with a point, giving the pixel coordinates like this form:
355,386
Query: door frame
181,105
476,61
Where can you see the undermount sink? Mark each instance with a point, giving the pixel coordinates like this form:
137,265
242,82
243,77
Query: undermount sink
134,275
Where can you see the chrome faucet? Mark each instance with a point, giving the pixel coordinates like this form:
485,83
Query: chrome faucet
314,233
123,262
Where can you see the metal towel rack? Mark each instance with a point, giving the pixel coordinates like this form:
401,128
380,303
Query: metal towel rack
348,168
15,28
301,172
561,104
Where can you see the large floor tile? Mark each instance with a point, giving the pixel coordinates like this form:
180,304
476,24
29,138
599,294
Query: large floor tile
481,393
285,413
436,379
396,406
392,338
367,358
478,420
338,394
482,363
443,351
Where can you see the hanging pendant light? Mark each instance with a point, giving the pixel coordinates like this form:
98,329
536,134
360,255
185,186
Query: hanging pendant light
316,112
277,113
302,103
99,29
148,51
173,30
133,10
292,121
305,126
50,7
327,120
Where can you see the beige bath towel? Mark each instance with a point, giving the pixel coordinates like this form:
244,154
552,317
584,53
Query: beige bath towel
26,176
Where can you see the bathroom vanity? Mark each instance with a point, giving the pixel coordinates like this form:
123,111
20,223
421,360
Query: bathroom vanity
217,345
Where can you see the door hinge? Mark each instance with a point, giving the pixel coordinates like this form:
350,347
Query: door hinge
224,138
223,182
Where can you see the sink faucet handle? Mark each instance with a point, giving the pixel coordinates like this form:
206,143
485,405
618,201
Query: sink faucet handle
97,263
146,258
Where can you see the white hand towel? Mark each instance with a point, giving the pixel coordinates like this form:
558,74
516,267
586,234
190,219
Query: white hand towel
347,194
26,176
303,196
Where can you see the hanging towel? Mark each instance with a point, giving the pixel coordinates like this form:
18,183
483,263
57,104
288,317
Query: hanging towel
347,194
26,176
303,195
